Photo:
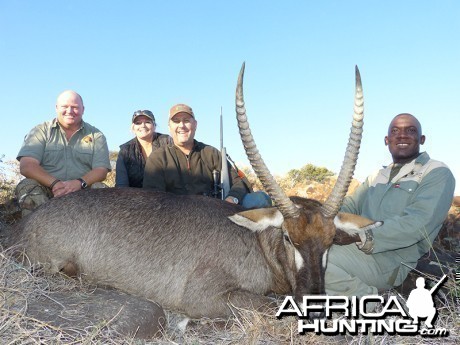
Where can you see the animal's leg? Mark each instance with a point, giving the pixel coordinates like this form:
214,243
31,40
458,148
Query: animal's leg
212,292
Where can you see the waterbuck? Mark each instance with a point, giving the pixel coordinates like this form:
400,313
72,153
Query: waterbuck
194,254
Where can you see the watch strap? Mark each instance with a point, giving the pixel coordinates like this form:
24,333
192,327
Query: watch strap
83,183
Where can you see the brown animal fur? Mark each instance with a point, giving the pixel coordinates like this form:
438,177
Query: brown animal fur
182,252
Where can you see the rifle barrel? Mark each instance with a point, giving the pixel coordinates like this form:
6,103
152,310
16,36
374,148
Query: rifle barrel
444,277
221,130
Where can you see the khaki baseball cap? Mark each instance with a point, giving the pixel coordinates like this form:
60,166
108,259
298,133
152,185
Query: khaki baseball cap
180,108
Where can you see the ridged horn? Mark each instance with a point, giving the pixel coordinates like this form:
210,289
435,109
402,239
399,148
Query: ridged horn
284,204
331,207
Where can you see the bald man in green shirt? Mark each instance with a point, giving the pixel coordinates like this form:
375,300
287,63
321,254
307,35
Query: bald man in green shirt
61,156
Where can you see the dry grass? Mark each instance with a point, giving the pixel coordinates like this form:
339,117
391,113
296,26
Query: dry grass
18,286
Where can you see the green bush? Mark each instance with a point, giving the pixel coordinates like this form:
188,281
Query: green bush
309,172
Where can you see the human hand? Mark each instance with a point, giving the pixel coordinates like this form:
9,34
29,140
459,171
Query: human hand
65,187
231,200
342,238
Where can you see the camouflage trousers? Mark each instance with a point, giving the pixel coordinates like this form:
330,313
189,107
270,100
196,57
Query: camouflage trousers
30,194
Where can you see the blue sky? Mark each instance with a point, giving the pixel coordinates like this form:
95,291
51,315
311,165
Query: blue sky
299,83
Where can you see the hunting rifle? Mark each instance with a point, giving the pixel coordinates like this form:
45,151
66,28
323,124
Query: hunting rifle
221,179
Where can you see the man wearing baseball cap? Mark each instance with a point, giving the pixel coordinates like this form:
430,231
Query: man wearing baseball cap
187,166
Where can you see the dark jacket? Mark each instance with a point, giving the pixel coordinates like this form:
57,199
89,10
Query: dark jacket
131,162
170,170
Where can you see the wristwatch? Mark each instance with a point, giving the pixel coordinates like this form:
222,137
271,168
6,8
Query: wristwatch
84,185
367,246
235,200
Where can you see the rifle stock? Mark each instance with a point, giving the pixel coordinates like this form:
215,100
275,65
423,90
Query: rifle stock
224,174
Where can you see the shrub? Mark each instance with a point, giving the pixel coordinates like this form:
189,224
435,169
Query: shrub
309,172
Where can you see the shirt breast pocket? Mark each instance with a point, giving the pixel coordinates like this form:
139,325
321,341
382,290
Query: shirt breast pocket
401,194
84,155
53,156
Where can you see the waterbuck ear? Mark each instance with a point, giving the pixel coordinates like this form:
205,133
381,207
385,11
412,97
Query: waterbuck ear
258,219
353,224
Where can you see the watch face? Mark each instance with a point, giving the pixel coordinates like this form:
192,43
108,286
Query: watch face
83,183
235,200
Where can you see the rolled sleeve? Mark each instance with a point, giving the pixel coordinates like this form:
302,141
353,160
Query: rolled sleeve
34,144
101,152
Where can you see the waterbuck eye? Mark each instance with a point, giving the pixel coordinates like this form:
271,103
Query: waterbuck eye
286,238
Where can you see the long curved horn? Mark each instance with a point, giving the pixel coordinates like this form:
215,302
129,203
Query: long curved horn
284,204
331,207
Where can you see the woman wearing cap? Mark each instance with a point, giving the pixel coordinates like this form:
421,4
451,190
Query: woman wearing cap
133,154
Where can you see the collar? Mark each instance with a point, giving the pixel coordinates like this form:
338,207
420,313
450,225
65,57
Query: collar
422,159
412,166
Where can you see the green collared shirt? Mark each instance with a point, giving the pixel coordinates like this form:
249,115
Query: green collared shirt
66,160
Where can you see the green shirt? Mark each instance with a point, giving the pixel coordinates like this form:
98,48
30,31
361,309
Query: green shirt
66,160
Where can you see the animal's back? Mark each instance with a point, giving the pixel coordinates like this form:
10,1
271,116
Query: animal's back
152,244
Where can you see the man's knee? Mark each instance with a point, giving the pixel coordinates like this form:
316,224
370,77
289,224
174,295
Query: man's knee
349,273
30,194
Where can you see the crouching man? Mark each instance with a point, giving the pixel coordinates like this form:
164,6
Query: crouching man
61,156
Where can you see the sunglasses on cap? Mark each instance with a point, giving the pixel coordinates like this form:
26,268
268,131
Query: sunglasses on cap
147,113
